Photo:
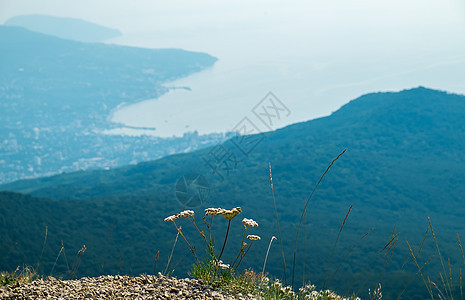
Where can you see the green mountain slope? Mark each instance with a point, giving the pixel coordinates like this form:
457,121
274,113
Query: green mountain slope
66,28
404,162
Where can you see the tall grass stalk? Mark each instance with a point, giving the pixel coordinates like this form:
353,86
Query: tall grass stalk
391,246
305,211
461,292
178,228
334,246
463,258
427,285
419,249
446,283
56,260
461,249
408,278
156,261
394,237
77,261
66,258
277,224
171,255
390,251
106,246
347,255
43,248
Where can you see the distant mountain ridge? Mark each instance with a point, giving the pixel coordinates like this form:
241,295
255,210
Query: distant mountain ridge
414,110
66,28
404,162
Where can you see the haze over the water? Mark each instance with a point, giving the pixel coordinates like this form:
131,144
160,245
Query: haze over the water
313,55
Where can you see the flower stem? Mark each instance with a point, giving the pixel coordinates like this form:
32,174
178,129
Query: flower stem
241,250
200,232
266,256
190,247
242,256
225,239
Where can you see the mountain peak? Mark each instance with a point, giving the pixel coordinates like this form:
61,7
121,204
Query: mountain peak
415,100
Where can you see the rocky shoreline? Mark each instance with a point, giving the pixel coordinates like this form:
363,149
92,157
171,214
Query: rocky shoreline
116,287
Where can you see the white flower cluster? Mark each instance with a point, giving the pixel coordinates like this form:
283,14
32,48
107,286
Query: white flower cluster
307,288
253,237
330,295
222,265
277,287
186,213
227,213
171,218
249,223
307,291
183,214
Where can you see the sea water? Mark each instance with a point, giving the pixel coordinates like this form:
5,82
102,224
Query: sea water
312,76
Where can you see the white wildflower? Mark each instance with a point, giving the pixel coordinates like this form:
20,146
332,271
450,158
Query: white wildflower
186,213
253,237
277,283
212,211
230,214
221,264
224,266
249,223
172,218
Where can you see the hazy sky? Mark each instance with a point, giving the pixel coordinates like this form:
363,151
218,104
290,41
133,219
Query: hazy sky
314,54
324,21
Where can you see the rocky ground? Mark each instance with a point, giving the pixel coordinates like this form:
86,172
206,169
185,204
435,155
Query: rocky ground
115,287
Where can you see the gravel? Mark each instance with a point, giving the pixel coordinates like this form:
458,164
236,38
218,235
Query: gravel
115,287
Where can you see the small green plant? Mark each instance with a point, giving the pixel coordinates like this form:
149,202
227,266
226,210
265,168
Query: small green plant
213,271
263,287
7,278
18,276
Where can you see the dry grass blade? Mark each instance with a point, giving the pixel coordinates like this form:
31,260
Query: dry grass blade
56,260
463,259
171,255
305,211
428,286
277,224
106,246
441,294
450,274
43,247
419,249
334,246
461,291
461,249
348,253
371,262
389,251
77,261
447,284
156,262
